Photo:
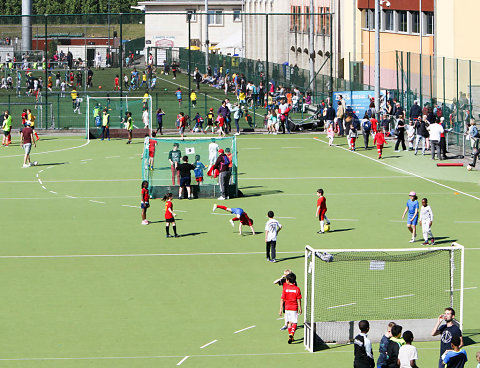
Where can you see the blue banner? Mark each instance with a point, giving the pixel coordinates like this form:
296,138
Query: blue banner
357,102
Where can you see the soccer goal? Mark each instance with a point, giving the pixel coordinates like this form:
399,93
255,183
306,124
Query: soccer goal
202,152
410,287
117,107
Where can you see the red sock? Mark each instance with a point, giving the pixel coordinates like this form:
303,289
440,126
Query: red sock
289,329
294,328
222,207
36,136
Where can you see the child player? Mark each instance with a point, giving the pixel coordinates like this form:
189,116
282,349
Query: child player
199,167
144,204
382,349
178,93
272,228
151,151
282,281
426,220
292,298
210,117
240,215
379,140
412,219
169,215
321,211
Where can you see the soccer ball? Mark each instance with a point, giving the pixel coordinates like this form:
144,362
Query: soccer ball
196,130
99,87
469,168
326,228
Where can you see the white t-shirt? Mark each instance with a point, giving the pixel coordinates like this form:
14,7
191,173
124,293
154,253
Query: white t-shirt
212,151
426,213
435,131
282,107
145,118
406,354
271,228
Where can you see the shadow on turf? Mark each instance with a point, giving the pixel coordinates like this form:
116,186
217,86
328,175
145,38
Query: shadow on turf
444,240
289,258
339,230
161,221
191,234
471,337
53,164
262,193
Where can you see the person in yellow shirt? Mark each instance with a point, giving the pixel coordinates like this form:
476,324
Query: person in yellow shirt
193,98
74,96
31,119
105,125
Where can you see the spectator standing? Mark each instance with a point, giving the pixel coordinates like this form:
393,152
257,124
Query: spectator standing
363,347
393,346
174,158
407,355
382,349
224,173
422,134
400,135
160,115
435,131
366,128
341,115
185,178
448,330
415,111
26,140
198,78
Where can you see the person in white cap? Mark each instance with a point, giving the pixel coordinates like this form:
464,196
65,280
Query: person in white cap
412,219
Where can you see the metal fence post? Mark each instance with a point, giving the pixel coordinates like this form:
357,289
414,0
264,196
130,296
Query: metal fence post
45,82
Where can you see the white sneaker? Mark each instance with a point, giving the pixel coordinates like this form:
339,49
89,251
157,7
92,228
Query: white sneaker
214,208
412,240
231,221
221,198
25,165
237,134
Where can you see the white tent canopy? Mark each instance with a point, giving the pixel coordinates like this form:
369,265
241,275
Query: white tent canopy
231,45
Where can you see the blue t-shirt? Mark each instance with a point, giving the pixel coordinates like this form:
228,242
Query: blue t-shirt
199,167
179,95
447,334
456,359
237,211
412,206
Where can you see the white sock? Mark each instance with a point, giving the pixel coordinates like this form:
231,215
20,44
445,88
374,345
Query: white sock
321,226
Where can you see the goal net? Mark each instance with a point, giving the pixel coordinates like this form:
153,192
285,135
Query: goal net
116,107
410,287
201,152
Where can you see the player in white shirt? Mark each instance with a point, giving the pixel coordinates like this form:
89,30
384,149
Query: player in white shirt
272,227
407,355
212,152
426,220
146,121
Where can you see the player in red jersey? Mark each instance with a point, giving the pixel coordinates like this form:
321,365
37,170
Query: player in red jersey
117,83
151,150
292,297
379,140
321,211
169,215
282,281
240,215
145,202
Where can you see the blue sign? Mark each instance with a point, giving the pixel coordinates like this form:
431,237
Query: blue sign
356,102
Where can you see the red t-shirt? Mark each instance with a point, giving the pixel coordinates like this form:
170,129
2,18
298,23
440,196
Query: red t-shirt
221,121
183,121
151,147
168,214
245,220
27,135
145,195
322,203
374,123
379,139
116,81
24,118
290,295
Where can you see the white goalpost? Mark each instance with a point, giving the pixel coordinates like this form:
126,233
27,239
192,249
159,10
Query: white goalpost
408,286
117,107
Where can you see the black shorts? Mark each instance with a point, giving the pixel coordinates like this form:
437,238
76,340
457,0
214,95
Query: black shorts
170,219
6,132
185,181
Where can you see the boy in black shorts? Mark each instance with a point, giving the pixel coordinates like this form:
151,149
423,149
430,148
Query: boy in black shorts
185,178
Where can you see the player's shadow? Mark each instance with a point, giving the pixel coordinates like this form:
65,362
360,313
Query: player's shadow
471,337
444,240
261,193
192,234
53,164
391,157
163,221
299,341
339,230
289,258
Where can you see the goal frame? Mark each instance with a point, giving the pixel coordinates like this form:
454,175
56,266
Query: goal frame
309,330
126,99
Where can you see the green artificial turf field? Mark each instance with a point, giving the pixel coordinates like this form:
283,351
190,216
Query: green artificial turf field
84,284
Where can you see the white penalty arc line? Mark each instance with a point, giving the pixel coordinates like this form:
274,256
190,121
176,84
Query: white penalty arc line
91,200
405,171
181,361
141,255
399,296
342,305
245,329
207,344
51,191
53,151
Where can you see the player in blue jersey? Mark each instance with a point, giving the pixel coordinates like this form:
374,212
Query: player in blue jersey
178,93
199,167
412,218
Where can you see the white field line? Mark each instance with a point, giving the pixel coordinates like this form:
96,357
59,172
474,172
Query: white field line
91,200
469,288
199,356
335,219
51,191
251,148
180,211
342,305
143,255
43,186
37,175
82,163
333,177
181,361
467,222
50,167
405,171
207,344
87,159
53,151
291,147
112,157
398,220
399,296
66,196
127,205
40,171
286,217
69,196
40,181
244,329
222,214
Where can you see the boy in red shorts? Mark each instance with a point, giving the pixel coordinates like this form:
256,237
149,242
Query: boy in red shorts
240,215
292,298
321,211
151,151
379,140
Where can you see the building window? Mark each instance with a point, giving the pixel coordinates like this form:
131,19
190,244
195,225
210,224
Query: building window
326,20
368,19
295,19
237,15
389,25
306,18
215,17
415,22
193,15
429,26
402,21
